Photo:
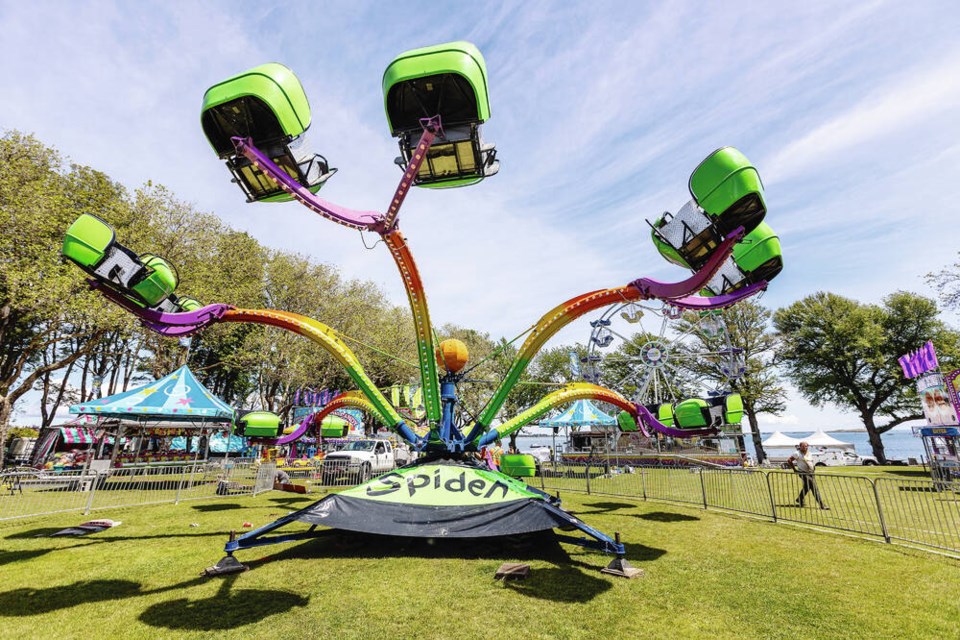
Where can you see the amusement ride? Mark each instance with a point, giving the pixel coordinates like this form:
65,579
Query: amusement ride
436,102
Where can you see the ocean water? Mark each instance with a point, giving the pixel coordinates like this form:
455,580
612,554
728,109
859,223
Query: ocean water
898,444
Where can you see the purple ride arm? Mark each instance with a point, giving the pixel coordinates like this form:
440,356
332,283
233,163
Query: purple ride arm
296,434
651,288
705,303
348,217
168,324
656,425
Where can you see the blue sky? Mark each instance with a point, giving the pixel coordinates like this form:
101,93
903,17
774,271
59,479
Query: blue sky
599,111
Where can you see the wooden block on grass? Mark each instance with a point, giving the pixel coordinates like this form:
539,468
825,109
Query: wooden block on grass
512,571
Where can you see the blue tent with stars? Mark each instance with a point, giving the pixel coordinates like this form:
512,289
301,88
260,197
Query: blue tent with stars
177,397
581,413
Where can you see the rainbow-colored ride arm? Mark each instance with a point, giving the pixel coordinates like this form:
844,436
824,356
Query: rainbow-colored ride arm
566,395
327,338
385,225
173,324
641,289
353,399
587,391
421,322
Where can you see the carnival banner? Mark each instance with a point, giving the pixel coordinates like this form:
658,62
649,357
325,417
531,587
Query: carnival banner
935,398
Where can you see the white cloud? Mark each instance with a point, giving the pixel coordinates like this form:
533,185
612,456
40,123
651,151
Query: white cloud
915,96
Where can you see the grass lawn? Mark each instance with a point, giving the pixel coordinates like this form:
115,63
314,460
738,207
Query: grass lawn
707,574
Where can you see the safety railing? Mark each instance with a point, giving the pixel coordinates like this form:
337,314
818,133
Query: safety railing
919,513
34,493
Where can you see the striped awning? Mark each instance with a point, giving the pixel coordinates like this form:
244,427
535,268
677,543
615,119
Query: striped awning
77,435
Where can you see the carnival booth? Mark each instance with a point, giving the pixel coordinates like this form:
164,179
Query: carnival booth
144,423
942,446
588,430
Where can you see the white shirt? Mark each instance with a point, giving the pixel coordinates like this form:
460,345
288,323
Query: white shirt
804,461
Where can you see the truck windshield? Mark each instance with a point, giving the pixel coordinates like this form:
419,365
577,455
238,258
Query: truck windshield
363,445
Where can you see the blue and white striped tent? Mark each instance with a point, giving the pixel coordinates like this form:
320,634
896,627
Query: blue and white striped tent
581,413
177,397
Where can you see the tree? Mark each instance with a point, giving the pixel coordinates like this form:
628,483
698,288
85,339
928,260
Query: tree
947,283
44,306
748,329
837,350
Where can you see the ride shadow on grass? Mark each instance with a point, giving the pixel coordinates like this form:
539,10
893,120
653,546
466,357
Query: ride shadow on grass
227,609
666,516
569,579
206,508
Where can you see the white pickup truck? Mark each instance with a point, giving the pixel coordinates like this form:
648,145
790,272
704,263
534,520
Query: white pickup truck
359,460
838,458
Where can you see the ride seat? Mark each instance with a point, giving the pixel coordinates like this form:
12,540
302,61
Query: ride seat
447,80
690,233
455,159
727,193
158,282
120,266
266,104
757,257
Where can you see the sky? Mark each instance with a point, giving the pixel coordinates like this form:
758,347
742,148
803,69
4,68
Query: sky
600,111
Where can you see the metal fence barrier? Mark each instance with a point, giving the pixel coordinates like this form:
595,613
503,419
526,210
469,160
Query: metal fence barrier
33,493
918,513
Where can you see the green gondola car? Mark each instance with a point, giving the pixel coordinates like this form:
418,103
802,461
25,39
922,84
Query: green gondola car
258,424
334,427
727,193
626,421
91,244
449,80
268,105
692,413
518,465
186,303
159,283
87,241
733,409
664,414
758,257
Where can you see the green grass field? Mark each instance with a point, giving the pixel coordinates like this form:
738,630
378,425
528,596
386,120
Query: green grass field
706,574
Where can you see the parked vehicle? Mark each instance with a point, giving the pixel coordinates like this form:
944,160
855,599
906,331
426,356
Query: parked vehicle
841,458
359,460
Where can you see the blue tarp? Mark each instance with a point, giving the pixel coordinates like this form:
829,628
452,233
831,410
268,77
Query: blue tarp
581,413
179,396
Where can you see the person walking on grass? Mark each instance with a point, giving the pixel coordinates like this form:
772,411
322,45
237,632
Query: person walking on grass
802,463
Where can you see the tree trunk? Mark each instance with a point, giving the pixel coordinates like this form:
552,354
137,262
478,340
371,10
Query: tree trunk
755,432
6,411
48,420
875,442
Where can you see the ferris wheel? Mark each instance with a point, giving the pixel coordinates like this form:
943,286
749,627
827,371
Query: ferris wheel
657,354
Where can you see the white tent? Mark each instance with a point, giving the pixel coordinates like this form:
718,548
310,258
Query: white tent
826,441
779,447
779,441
